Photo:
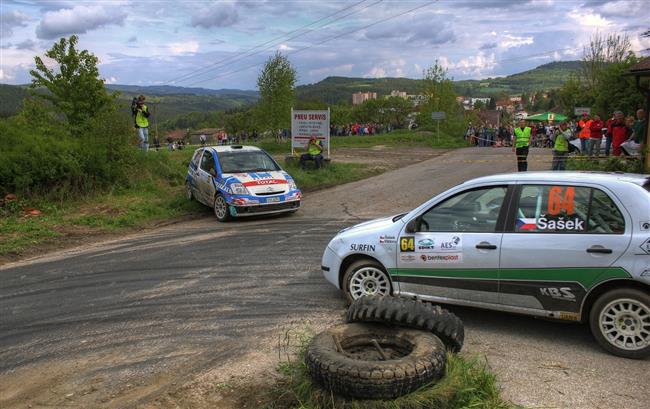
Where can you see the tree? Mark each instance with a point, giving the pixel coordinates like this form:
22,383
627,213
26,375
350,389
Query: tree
492,104
602,51
75,89
276,84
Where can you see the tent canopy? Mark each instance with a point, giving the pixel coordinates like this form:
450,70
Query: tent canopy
547,116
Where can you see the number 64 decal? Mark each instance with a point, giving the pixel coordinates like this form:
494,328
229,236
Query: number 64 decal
561,198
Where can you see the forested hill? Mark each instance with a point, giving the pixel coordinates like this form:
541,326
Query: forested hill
340,89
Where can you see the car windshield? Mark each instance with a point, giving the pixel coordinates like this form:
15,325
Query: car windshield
246,161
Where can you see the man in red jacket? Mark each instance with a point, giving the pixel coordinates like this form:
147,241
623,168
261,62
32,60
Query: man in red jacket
595,135
619,132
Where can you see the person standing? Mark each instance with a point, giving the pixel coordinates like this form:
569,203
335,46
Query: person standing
520,147
585,132
639,127
140,114
561,146
619,132
596,135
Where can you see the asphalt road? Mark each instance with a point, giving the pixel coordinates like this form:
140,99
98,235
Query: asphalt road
119,323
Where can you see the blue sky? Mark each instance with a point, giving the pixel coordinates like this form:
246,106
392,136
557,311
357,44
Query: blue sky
204,43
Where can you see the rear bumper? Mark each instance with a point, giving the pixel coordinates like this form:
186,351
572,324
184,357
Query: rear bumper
290,206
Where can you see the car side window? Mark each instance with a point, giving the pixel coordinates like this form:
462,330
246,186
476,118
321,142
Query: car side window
604,215
207,161
566,209
475,210
196,158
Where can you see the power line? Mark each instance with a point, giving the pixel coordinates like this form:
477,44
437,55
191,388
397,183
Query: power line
281,38
319,43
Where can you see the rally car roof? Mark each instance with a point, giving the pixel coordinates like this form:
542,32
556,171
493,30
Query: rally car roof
234,148
593,177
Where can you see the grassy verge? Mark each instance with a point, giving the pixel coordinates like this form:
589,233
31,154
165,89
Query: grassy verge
398,138
468,383
155,195
611,164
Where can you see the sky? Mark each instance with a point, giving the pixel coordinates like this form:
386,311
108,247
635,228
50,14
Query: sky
224,44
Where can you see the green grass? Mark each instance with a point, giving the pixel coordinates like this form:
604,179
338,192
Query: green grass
468,383
611,164
156,194
398,138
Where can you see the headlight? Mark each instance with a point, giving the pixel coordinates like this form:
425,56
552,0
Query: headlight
238,189
292,185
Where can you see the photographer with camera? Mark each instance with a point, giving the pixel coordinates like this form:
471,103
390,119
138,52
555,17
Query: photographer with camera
140,114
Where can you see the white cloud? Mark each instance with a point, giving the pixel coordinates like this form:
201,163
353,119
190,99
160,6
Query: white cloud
476,65
511,41
78,20
11,20
5,76
375,72
222,14
589,19
110,80
339,69
188,47
284,47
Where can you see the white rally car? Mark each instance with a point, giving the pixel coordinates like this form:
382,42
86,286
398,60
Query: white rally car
564,245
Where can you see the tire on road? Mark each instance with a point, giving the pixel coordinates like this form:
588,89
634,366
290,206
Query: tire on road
414,358
366,277
620,322
220,208
410,313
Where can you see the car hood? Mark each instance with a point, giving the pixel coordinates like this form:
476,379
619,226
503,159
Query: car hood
275,182
369,226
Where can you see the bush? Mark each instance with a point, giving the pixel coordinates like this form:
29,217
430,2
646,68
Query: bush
612,164
42,158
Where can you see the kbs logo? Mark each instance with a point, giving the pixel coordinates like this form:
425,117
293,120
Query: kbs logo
562,293
407,244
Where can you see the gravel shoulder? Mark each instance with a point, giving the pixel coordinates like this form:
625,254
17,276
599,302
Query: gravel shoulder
197,313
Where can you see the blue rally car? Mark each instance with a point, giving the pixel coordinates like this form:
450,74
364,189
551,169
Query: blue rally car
240,181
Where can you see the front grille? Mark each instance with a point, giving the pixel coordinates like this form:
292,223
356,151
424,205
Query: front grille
267,208
269,193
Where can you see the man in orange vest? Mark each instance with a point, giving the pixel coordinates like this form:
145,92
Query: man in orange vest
585,132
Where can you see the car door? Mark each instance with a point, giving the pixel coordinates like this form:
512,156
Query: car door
560,240
452,251
204,177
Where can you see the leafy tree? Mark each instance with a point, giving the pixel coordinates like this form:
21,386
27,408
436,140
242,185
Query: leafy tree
603,50
492,104
439,94
75,89
618,91
276,84
478,104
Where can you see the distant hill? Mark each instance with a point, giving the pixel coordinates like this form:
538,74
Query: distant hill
171,101
340,89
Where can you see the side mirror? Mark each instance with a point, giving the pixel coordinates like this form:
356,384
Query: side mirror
412,226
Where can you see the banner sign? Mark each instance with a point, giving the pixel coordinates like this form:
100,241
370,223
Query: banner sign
305,124
578,111
438,115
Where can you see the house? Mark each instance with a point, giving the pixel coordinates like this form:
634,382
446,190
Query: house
489,117
175,135
401,94
361,97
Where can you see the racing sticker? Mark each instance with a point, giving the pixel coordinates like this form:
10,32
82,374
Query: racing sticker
561,198
441,258
645,226
407,244
387,239
645,246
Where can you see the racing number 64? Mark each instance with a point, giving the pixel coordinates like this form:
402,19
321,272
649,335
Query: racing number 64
407,244
558,200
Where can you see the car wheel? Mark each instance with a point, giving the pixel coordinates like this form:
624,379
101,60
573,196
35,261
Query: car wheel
369,361
364,278
188,191
221,209
620,322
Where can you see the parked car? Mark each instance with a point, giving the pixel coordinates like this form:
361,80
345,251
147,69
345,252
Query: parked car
239,181
570,246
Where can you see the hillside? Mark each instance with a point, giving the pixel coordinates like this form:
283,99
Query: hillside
173,101
340,89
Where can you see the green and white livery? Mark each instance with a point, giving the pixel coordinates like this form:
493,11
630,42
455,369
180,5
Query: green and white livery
563,245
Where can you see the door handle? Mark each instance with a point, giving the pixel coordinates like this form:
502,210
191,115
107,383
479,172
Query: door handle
486,246
599,250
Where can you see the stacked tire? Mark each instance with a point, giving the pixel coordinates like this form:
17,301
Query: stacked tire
411,340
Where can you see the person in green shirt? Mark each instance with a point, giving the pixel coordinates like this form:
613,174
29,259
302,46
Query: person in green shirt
520,146
314,152
140,114
561,146
639,127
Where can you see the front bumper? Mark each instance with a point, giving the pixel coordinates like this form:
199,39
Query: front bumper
253,210
331,265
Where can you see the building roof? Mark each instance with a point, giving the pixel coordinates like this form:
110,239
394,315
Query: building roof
642,67
176,134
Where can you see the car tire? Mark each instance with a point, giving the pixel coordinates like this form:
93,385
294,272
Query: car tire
188,191
410,313
620,322
220,208
414,359
366,278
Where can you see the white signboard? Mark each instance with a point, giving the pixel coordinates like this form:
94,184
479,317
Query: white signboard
438,115
578,111
305,124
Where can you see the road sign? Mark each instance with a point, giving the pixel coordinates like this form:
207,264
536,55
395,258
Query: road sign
578,111
438,115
